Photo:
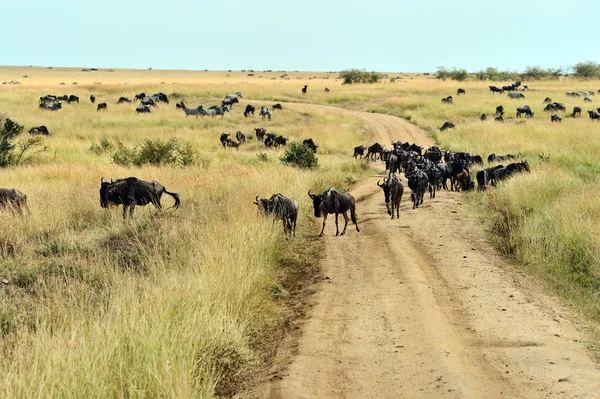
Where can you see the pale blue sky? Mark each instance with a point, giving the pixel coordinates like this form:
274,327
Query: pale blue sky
382,35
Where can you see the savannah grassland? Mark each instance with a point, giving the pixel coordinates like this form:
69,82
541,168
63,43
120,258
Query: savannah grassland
181,303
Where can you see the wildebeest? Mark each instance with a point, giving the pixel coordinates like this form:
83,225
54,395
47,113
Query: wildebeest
180,105
92,99
132,191
499,118
483,117
63,98
359,151
495,89
249,110
373,151
448,100
72,98
594,115
280,140
310,144
524,110
460,91
283,208
500,158
229,102
547,100
101,106
555,107
10,197
270,140
277,106
555,118
264,111
418,182
504,173
447,125
240,137
230,143
304,89
51,107
260,133
224,137
139,96
149,101
39,130
516,95
434,154
326,90
123,100
500,110
587,100
142,109
576,111
393,189
48,99
334,201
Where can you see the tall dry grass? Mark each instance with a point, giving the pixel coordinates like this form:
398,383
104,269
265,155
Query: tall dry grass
172,303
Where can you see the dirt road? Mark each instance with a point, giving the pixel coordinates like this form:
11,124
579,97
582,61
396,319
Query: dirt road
422,307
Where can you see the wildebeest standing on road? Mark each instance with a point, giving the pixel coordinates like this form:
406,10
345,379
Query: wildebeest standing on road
13,198
393,189
132,191
334,201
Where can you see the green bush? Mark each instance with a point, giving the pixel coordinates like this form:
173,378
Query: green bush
300,156
350,76
455,74
14,152
587,70
156,152
102,147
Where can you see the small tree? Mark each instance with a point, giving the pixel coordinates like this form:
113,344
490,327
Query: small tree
8,133
350,76
587,70
301,156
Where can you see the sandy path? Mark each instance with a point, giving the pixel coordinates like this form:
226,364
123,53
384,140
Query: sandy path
422,307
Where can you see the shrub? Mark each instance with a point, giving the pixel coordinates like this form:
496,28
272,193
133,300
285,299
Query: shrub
102,147
156,152
350,76
587,70
454,74
301,156
16,152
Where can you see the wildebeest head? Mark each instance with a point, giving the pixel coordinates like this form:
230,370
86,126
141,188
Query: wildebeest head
264,205
317,199
104,188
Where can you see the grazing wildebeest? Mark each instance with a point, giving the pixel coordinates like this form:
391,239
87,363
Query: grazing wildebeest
73,99
277,106
283,208
448,100
63,98
418,182
229,102
504,173
240,137
373,151
587,100
460,91
260,133
594,115
280,140
101,106
500,158
13,198
495,89
39,130
149,101
142,109
547,100
576,111
139,96
524,110
359,151
249,110
447,125
180,105
51,107
304,89
230,143
310,144
334,201
393,189
500,110
224,137
131,191
499,118
516,95
326,90
123,100
92,99
484,175
555,118
264,111
483,117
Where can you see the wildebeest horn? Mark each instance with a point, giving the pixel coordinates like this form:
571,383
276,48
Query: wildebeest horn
311,195
102,180
380,185
256,199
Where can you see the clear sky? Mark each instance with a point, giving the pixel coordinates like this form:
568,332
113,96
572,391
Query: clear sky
310,35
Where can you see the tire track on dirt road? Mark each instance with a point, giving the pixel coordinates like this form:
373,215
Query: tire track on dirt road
423,307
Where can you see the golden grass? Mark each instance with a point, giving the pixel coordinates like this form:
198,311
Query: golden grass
173,303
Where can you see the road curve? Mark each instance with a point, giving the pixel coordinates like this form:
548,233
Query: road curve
423,307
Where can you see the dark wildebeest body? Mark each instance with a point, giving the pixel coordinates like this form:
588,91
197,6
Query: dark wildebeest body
500,110
101,106
139,96
547,100
434,154
334,201
283,208
280,140
63,98
230,143
504,173
73,99
500,158
524,110
260,133
483,176
304,89
123,100
51,107
418,183
594,115
249,110
229,102
224,137
13,198
555,118
393,189
587,100
576,111
448,100
310,144
277,106
460,91
392,163
516,95
92,99
149,101
483,117
359,151
39,130
180,105
373,151
131,191
447,125
142,109
495,89
240,137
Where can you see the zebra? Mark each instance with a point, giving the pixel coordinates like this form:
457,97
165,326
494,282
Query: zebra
215,111
194,111
264,111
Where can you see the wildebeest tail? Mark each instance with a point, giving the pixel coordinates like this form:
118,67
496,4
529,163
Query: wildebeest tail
176,197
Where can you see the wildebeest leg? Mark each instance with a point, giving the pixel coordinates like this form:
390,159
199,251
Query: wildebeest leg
324,220
124,211
131,209
345,215
337,230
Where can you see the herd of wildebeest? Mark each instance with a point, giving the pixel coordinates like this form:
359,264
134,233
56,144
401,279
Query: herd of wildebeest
425,171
